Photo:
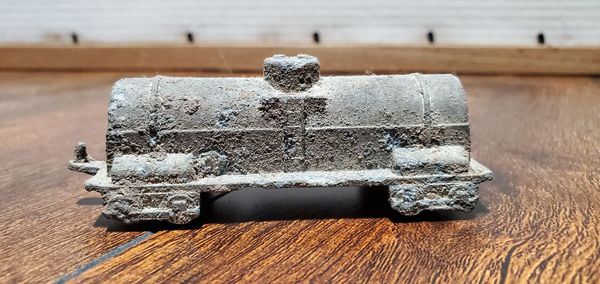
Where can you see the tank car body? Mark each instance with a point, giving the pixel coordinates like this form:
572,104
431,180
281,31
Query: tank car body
170,139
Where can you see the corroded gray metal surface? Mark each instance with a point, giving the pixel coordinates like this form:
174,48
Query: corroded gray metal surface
171,138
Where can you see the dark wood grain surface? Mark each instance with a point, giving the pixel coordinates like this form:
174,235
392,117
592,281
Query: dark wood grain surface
49,224
538,221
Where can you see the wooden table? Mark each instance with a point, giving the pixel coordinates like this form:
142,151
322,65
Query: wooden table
537,221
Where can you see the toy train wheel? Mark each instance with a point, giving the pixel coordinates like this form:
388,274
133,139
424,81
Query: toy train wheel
183,208
120,207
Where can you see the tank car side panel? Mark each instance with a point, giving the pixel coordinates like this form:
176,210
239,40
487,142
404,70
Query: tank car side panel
356,148
365,117
197,115
213,103
246,151
368,101
222,115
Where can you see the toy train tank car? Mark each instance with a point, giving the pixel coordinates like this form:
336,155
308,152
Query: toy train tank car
169,139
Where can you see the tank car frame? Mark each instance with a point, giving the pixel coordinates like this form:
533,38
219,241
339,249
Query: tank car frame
180,203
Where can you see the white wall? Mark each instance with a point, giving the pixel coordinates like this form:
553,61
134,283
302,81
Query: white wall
495,22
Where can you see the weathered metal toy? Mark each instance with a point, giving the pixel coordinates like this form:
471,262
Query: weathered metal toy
169,139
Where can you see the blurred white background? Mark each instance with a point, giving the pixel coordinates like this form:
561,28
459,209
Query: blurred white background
471,22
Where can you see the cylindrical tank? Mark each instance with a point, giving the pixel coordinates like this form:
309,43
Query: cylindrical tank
330,123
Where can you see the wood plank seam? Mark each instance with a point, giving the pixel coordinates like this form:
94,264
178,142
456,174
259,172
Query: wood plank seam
110,254
116,251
